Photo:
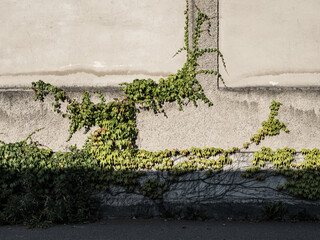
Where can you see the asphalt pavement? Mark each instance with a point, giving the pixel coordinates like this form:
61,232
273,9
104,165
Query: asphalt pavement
167,229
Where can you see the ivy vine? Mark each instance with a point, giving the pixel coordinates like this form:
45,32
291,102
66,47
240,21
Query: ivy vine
42,187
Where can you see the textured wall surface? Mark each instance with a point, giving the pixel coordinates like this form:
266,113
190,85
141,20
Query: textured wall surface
236,114
89,43
20,115
271,42
221,196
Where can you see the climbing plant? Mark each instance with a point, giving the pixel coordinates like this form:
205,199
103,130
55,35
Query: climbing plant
37,184
271,127
42,187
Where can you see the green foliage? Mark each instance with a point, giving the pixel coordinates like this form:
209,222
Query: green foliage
303,215
246,145
281,159
271,127
274,211
181,86
303,180
40,187
47,187
113,145
153,189
118,115
251,171
109,156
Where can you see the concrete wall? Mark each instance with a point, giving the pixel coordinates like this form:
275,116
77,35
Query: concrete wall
89,43
223,196
271,42
232,120
236,115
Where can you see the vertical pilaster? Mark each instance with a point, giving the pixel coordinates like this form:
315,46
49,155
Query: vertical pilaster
208,61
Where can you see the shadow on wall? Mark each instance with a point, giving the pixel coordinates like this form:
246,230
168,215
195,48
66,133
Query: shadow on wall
40,187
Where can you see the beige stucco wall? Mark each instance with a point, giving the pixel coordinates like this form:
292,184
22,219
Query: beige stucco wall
232,120
89,43
271,42
236,114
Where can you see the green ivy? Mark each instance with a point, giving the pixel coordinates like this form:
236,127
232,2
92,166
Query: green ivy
153,189
303,180
50,187
271,127
41,187
181,86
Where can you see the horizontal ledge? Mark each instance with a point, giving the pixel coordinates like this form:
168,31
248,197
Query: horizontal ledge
275,89
77,80
68,89
88,71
